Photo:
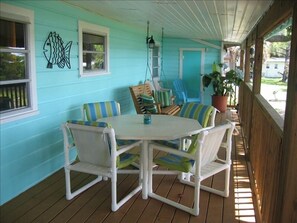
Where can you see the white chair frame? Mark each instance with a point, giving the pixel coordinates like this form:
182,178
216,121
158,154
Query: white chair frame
105,171
186,141
200,170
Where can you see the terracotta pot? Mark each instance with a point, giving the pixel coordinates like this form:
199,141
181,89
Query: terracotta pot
220,102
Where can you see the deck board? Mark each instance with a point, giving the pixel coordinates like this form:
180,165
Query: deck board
46,201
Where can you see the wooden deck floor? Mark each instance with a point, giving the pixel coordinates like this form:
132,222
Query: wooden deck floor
46,201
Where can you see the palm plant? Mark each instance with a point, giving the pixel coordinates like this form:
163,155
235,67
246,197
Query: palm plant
222,84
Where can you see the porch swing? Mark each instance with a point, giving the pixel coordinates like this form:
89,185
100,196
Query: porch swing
150,97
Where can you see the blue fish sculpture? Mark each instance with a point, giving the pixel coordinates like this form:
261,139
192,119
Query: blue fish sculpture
55,52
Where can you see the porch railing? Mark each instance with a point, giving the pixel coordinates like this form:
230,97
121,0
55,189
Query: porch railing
263,139
13,96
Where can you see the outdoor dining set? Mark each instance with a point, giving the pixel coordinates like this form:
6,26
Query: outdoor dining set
182,140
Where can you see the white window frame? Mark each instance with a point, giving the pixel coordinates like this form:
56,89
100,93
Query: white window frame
25,16
158,60
96,30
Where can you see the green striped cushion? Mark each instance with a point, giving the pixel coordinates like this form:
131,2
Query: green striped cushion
126,159
90,123
170,143
149,103
175,162
98,110
163,97
197,111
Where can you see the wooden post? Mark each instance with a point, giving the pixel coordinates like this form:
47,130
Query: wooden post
286,210
241,59
247,63
258,65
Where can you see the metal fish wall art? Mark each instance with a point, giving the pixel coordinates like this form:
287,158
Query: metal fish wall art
55,52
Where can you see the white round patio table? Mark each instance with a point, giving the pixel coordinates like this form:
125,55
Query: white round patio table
162,127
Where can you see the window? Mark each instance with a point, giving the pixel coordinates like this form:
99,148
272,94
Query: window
93,49
17,63
156,61
277,50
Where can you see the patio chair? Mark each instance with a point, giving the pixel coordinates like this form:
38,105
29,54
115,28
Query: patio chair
96,110
201,160
144,101
182,93
204,114
98,154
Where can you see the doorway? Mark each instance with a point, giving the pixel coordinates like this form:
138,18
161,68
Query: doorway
191,68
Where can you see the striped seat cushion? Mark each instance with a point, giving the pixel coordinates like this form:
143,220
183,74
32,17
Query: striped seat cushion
163,97
148,103
98,110
175,162
126,159
170,143
197,111
90,123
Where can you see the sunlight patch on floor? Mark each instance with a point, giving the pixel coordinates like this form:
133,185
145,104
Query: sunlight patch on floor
243,197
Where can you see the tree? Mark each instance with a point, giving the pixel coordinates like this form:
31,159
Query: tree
280,47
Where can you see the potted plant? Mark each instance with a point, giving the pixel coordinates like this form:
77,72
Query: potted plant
222,85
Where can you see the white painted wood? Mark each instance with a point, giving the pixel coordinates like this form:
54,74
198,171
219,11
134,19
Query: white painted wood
224,20
26,16
96,30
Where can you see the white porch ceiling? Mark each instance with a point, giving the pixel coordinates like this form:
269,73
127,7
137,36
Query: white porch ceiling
229,21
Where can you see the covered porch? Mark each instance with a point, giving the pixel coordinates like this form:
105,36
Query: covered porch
46,201
31,153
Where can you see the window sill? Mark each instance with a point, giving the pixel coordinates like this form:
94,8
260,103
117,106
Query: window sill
94,74
11,116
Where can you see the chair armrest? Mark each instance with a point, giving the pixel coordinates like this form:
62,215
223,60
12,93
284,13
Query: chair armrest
126,148
170,150
181,96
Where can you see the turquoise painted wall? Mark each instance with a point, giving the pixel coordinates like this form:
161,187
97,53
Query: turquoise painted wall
32,148
171,63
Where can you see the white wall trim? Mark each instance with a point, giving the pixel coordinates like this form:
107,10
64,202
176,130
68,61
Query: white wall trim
97,30
25,16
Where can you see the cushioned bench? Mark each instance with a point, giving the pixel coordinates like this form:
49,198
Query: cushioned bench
144,101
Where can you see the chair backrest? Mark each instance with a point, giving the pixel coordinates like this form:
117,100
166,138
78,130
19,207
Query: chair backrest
136,93
94,141
204,114
179,86
208,142
162,95
96,110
